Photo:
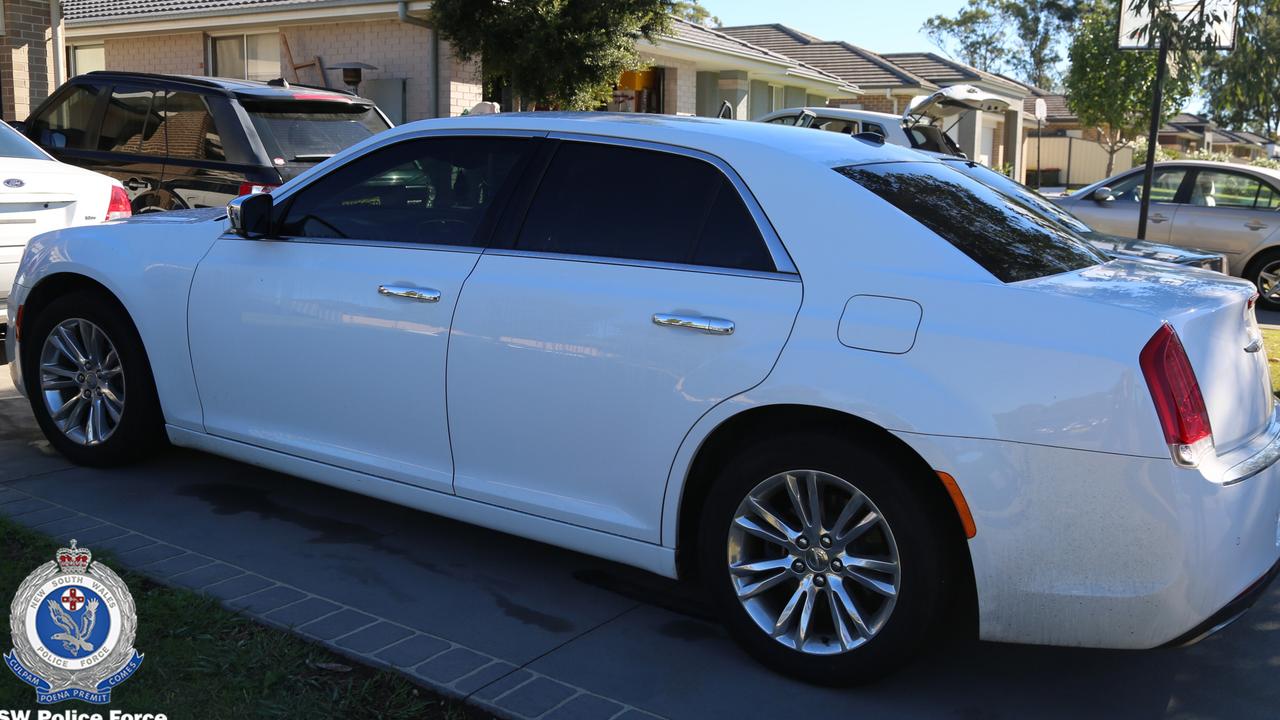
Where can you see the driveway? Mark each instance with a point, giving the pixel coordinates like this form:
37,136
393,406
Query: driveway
527,630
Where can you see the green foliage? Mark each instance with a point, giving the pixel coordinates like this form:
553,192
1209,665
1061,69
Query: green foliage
1020,36
974,36
564,54
1111,89
692,11
1242,86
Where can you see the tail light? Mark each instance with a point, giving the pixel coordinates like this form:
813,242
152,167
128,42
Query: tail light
248,188
119,206
1176,393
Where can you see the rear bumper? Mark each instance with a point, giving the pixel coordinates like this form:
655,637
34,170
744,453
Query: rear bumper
1230,612
1102,550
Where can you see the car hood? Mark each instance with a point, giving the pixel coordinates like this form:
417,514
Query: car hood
951,101
1117,246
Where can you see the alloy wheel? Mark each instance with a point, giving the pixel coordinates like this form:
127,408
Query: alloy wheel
813,562
1269,281
82,381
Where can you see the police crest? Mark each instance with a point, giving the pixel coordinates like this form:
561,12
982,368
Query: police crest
73,623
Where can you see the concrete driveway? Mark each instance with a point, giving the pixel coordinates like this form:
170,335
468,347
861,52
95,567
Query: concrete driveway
526,630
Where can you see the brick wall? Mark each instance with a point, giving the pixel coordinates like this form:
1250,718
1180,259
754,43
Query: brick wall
399,50
181,54
26,60
874,103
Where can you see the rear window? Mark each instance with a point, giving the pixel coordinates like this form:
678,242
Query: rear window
1007,238
14,145
311,132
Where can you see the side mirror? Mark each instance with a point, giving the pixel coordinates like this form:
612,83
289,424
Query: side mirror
1102,195
250,215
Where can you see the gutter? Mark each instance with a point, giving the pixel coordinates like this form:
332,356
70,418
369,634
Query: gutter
402,13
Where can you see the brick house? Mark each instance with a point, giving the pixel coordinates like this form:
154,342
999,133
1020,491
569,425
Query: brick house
890,82
26,56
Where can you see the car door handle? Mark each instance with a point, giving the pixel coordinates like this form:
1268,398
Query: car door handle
1255,225
1157,218
412,293
709,325
135,184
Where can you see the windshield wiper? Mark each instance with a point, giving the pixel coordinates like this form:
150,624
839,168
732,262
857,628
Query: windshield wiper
312,157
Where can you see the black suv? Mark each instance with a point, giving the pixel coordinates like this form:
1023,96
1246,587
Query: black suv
187,142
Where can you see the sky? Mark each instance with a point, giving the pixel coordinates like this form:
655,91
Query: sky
878,25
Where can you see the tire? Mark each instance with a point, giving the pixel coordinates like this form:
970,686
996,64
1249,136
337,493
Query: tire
117,389
1269,261
911,534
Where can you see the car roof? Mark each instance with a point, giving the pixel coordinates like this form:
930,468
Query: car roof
843,113
1269,172
712,135
248,89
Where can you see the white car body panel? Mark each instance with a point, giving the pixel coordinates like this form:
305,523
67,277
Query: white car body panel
1028,393
37,196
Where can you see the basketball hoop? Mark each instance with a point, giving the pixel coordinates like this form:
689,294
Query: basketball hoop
1216,17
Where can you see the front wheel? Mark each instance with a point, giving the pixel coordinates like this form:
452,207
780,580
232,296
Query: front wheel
821,558
89,381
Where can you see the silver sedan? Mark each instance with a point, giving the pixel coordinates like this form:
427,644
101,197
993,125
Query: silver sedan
1221,207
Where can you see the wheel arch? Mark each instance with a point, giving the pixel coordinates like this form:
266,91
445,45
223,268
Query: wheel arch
1270,244
757,423
59,284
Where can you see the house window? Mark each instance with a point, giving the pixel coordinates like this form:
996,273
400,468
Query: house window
779,97
247,57
82,59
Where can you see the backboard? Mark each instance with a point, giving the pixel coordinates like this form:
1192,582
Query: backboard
1218,15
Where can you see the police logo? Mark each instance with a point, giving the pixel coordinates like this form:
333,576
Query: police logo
73,624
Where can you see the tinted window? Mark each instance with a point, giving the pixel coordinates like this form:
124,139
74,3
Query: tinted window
928,137
874,128
130,121
425,191
1018,191
612,201
848,127
784,120
1164,186
1214,188
15,146
66,124
309,131
1005,237
1268,199
189,128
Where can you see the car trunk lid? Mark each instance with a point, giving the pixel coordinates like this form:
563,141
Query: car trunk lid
33,199
951,101
1213,317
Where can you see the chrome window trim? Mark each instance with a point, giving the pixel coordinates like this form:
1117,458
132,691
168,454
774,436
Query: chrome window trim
773,243
650,264
357,242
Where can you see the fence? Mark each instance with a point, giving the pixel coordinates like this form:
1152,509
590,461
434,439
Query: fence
1073,162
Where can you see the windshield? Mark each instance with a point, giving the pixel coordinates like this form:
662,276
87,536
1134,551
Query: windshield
14,145
1009,186
310,132
1006,237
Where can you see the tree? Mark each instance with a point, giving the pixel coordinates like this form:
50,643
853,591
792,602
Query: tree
1242,86
1024,36
692,11
1110,89
975,36
563,54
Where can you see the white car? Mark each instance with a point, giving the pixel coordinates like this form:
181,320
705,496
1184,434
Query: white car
38,194
920,127
845,387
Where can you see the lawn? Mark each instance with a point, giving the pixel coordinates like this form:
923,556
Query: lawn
1272,340
203,661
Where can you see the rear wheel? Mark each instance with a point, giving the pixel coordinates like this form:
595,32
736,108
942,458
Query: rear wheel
821,559
1264,272
89,382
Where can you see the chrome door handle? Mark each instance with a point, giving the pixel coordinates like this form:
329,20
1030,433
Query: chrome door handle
1255,225
412,293
1157,218
710,325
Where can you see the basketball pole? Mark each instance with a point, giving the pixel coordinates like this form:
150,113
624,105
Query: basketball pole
1153,135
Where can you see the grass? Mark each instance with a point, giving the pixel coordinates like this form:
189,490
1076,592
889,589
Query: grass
205,661
1272,339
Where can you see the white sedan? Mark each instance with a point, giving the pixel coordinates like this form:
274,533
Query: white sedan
38,193
844,387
